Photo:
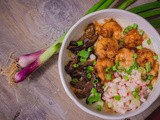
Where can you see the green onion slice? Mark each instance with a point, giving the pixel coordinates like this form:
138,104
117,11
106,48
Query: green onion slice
149,41
139,47
80,43
89,75
108,76
125,77
83,54
155,57
148,67
95,81
117,97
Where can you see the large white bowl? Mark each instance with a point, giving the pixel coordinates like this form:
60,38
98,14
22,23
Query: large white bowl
124,18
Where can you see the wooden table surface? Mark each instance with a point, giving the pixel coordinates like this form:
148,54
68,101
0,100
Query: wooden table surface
27,26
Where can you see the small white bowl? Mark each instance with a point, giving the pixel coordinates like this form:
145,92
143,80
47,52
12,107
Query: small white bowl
124,18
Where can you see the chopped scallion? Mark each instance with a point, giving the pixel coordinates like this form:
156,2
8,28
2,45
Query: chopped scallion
93,91
83,54
80,43
150,86
137,97
108,76
155,57
114,68
99,107
95,81
75,65
141,32
142,70
94,63
148,67
89,75
134,26
89,49
108,69
139,47
135,55
117,97
125,77
83,59
75,80
149,41
89,69
150,77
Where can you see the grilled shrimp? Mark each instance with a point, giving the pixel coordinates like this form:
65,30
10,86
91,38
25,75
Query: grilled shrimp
132,39
111,29
125,58
100,67
106,47
145,55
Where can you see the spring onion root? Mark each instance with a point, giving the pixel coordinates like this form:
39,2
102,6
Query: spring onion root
125,4
145,7
95,7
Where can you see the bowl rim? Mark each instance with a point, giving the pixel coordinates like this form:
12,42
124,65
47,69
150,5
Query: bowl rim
60,67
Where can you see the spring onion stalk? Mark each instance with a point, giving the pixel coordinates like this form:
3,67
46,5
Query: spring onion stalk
149,13
105,5
30,62
145,7
95,7
155,23
125,4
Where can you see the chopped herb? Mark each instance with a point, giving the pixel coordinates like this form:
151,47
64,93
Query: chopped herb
129,70
137,97
135,93
125,77
89,69
135,55
134,26
139,47
94,63
117,97
93,91
83,54
142,70
83,59
141,32
108,69
114,68
89,49
95,81
89,75
117,63
75,80
99,107
150,86
80,43
149,41
125,30
75,65
95,97
148,67
130,28
155,57
104,86
150,77
108,76
137,89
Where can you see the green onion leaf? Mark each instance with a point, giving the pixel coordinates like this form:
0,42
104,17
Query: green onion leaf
117,97
137,97
139,47
142,70
89,75
137,89
89,69
149,41
104,86
93,91
80,43
134,26
83,59
94,63
135,55
75,80
148,67
108,76
141,32
155,57
150,86
108,69
83,54
150,77
99,107
89,49
95,81
75,65
114,68
135,93
125,77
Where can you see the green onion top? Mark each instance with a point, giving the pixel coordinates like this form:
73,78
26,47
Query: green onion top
117,97
99,107
114,68
150,77
155,57
89,49
125,77
89,75
148,67
150,86
83,54
90,69
94,63
80,43
134,26
75,65
75,80
137,97
108,69
108,76
141,32
95,81
93,91
139,47
83,59
142,70
149,41
135,55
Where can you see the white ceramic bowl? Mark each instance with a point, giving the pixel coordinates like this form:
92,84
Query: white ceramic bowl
124,18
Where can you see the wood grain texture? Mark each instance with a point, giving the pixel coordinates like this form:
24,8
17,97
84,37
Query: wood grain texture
27,26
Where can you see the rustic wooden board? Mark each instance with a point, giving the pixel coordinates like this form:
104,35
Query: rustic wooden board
27,26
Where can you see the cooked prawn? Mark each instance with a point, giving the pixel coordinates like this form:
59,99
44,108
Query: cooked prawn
125,58
100,67
106,47
145,55
111,29
133,39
